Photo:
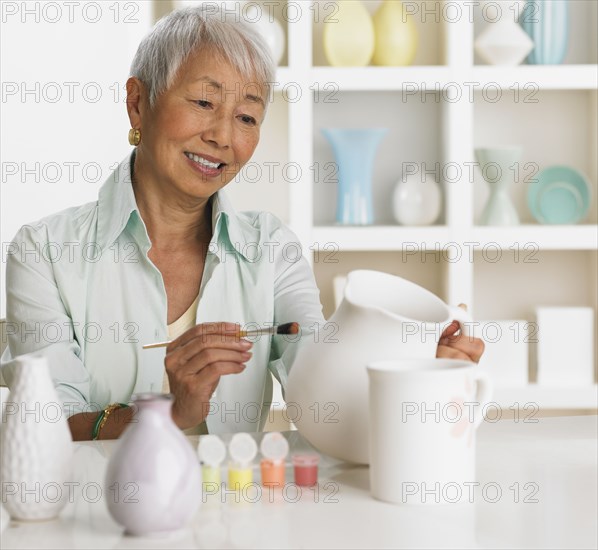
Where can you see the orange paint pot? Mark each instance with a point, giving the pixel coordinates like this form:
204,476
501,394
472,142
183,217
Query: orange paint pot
273,472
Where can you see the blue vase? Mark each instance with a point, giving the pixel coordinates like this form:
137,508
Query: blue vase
354,150
547,23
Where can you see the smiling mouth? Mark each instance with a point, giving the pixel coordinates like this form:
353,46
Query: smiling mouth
204,162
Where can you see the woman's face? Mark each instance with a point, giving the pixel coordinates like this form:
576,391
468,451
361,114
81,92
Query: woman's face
203,129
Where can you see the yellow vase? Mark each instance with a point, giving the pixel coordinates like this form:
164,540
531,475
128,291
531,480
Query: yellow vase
396,35
349,35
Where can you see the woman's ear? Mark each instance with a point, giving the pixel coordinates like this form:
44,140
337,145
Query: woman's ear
137,101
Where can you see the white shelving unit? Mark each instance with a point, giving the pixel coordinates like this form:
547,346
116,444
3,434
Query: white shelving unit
429,127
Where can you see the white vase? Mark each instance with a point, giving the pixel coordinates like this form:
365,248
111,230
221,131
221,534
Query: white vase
496,166
268,27
381,317
504,42
416,202
153,479
37,449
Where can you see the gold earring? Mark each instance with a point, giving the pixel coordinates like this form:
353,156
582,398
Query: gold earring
134,136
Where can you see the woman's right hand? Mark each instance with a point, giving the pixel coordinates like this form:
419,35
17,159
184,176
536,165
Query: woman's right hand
194,363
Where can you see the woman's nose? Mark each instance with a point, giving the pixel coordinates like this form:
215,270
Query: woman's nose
218,132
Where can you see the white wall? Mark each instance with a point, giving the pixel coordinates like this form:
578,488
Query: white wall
62,102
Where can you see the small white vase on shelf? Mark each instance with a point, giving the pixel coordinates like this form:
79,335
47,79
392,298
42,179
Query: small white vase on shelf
268,27
503,41
497,166
37,449
416,200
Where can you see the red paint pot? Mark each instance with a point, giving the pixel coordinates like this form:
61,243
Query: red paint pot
306,469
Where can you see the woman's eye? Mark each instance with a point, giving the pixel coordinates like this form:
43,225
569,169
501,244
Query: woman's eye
203,103
248,120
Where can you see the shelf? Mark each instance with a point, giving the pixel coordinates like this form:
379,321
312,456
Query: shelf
438,77
545,397
554,237
378,237
412,78
521,237
543,77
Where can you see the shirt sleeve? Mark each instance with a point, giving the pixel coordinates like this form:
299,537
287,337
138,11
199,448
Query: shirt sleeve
296,298
37,321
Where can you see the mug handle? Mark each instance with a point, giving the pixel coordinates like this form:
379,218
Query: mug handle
464,319
482,396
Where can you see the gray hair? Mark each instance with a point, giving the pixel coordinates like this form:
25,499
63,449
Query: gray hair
184,31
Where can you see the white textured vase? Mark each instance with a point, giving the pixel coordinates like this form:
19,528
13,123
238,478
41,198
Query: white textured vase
37,449
416,201
504,42
153,480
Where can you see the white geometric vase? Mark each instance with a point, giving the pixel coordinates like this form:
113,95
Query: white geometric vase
37,449
503,42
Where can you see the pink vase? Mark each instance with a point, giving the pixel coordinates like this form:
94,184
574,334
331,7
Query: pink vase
153,481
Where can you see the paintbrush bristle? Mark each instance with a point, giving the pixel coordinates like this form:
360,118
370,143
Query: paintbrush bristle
288,328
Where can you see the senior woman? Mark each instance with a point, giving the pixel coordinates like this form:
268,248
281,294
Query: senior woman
170,259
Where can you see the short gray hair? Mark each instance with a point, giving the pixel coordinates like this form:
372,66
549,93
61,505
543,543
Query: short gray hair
184,31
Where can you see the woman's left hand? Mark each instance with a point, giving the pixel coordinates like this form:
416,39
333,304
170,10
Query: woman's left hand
453,346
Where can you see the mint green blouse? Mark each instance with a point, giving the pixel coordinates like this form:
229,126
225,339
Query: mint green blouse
82,291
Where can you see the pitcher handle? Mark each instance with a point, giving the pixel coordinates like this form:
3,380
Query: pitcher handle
464,319
482,397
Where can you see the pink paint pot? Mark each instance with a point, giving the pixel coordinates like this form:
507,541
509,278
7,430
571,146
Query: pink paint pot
306,469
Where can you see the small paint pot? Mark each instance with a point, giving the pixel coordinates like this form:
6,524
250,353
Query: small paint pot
211,451
275,448
273,473
242,450
239,476
210,476
306,469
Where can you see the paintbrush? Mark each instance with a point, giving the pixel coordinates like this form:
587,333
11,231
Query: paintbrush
286,328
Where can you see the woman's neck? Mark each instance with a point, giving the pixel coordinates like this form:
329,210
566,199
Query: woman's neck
172,224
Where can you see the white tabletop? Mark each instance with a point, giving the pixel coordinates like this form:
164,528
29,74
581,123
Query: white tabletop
546,473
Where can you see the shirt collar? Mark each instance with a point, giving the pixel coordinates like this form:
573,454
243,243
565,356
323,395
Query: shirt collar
117,208
231,231
116,203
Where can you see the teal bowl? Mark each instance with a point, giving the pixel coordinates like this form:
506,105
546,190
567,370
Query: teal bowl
559,195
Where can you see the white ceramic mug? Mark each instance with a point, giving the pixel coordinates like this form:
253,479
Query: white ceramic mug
423,418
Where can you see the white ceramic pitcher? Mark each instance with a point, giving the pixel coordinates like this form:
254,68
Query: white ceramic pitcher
381,317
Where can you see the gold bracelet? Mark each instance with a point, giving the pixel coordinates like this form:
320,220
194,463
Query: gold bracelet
104,418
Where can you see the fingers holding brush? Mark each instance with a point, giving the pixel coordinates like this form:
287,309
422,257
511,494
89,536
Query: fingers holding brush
195,362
